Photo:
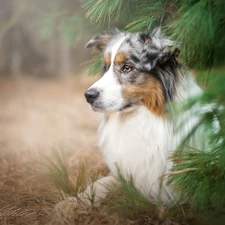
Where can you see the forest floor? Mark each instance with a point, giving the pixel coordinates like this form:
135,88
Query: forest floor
42,120
37,118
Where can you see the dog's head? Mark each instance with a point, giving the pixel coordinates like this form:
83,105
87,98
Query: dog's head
137,71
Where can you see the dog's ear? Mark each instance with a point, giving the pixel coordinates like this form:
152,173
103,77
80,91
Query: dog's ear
156,39
101,40
159,40
157,49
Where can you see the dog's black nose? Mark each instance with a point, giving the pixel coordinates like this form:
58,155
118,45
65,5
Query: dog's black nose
91,95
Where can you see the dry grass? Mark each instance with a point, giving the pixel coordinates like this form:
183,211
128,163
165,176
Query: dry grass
24,195
38,116
46,128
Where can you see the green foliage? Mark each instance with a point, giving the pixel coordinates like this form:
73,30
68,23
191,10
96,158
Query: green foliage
94,65
198,28
57,170
128,199
107,12
152,14
203,180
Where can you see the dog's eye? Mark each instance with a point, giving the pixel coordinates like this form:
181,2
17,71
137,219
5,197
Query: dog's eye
126,68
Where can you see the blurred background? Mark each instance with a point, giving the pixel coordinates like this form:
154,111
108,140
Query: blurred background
42,38
43,112
43,75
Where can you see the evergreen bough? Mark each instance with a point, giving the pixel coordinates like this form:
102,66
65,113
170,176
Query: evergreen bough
198,27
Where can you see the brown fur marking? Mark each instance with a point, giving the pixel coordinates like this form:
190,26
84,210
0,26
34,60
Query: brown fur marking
107,60
151,93
120,58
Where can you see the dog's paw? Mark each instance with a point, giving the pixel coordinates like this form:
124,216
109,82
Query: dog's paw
66,204
70,211
71,202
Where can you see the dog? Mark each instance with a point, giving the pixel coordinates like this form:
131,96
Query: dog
141,77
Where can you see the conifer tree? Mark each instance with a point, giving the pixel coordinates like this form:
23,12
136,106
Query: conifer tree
198,27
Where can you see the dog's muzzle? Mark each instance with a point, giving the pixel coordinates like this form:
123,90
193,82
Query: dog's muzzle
91,95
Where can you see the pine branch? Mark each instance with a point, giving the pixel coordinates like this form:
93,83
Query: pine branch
198,27
152,14
200,33
106,11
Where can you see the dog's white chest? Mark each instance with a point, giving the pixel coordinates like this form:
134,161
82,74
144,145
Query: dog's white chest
138,144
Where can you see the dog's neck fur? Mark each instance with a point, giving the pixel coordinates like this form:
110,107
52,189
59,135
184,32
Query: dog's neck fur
140,142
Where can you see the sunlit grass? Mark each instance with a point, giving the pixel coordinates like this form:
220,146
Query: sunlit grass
35,201
126,202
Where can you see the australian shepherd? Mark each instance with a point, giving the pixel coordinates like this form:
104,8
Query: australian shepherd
141,77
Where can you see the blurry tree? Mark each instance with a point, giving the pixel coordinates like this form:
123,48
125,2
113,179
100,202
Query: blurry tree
62,25
41,37
198,27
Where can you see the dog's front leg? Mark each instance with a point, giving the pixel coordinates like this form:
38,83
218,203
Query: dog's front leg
94,194
98,191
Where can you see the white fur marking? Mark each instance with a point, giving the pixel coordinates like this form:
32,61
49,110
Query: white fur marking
140,144
111,98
